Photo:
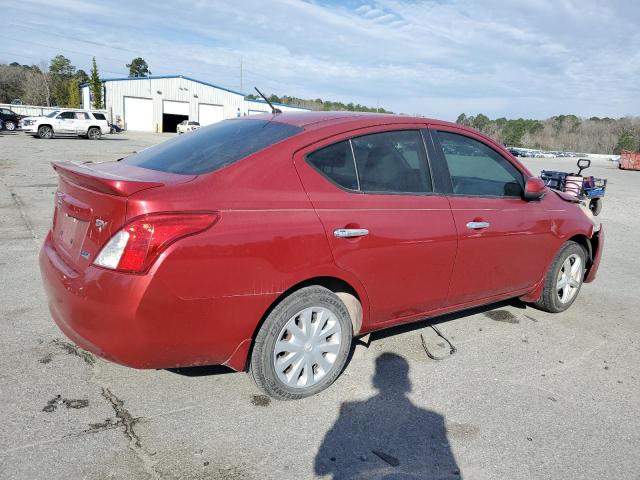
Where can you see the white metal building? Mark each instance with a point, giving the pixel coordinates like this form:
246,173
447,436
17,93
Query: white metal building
159,103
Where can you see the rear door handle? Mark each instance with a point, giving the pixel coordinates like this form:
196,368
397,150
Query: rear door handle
350,232
477,225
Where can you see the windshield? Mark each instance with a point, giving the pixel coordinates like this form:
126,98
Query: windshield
210,148
52,114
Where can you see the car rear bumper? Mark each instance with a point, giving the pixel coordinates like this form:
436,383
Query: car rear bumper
137,321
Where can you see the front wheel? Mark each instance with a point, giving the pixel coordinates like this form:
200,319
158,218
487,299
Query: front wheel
94,133
303,345
564,279
45,131
9,126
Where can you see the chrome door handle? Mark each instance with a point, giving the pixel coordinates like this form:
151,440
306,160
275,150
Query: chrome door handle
477,225
350,232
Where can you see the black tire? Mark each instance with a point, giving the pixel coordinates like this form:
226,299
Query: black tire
550,300
45,132
9,126
94,133
262,368
595,205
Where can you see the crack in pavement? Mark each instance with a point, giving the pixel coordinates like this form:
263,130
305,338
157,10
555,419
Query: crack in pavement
72,349
124,417
23,214
128,421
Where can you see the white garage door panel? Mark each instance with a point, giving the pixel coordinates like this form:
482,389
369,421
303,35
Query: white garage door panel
175,108
138,114
257,112
208,114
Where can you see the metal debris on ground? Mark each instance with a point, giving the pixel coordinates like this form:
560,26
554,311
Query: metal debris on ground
430,354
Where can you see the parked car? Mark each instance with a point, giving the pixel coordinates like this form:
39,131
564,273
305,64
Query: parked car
75,123
267,243
10,119
187,126
514,152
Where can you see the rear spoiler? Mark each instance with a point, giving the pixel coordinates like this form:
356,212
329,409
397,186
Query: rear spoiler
101,181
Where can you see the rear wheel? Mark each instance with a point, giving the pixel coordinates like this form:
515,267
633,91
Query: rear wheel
595,205
45,131
564,279
9,125
94,133
303,344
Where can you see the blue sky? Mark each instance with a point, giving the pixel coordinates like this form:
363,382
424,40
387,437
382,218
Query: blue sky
438,58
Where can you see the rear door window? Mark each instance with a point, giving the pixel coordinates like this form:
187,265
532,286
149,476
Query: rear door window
99,116
213,147
478,170
392,162
386,162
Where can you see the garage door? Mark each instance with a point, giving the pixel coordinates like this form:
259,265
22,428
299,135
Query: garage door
138,114
175,108
208,114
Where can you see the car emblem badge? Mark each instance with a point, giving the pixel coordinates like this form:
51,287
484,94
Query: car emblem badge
100,224
84,254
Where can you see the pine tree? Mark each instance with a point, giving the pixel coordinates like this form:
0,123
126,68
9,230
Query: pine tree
626,141
73,95
95,85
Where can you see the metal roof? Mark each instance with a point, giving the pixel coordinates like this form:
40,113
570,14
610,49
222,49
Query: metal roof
159,77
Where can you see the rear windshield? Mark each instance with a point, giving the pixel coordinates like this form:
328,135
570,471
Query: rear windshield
212,147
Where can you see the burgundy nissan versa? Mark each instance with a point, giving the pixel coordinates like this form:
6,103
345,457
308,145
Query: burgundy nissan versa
267,243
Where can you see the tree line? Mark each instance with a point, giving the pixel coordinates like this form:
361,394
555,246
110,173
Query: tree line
57,84
320,105
568,133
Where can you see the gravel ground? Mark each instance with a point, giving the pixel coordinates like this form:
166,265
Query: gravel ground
526,395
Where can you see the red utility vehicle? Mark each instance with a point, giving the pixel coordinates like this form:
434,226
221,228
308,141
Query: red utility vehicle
267,243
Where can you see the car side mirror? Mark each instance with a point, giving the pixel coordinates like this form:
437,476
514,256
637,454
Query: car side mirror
534,188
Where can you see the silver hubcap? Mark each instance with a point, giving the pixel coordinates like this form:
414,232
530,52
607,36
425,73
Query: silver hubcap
307,347
46,132
10,126
569,278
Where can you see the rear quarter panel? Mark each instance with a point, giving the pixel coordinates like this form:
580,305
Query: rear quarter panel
267,239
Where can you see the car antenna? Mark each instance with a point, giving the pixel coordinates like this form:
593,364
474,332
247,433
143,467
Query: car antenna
274,110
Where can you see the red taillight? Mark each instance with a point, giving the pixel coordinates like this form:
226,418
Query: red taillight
146,237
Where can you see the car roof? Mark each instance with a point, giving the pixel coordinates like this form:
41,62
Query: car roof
310,119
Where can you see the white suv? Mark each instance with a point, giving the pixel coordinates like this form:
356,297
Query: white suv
186,126
67,123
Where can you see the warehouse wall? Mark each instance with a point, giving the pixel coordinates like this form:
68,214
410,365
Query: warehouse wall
173,89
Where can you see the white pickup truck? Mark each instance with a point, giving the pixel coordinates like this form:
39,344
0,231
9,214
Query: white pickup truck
87,124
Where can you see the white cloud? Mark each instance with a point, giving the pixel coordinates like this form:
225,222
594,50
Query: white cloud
437,58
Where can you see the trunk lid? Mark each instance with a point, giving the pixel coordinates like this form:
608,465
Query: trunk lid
91,205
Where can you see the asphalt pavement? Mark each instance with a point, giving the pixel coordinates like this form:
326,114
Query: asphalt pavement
526,394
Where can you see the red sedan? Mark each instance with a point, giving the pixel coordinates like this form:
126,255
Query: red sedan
267,243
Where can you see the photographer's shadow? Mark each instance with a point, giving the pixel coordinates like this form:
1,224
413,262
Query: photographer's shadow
387,436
